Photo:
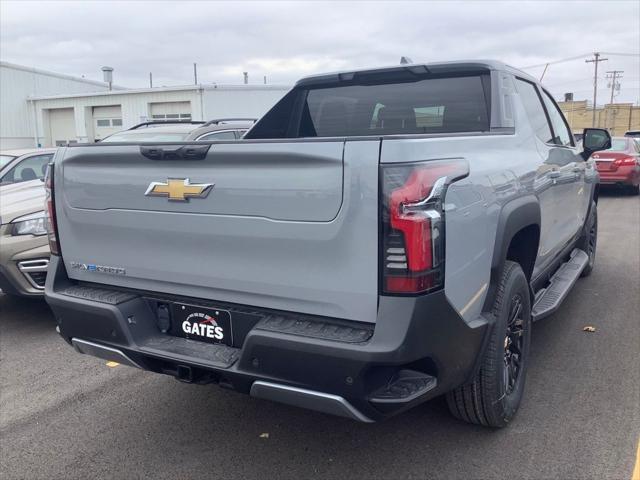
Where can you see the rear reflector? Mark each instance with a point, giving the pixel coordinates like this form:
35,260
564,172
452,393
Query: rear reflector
412,220
50,208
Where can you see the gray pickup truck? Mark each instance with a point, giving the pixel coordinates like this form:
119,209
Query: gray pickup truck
378,238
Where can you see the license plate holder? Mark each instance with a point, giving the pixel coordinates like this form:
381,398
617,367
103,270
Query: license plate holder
205,324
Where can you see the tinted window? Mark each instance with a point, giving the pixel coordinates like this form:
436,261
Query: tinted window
560,129
442,105
218,136
30,168
432,105
535,111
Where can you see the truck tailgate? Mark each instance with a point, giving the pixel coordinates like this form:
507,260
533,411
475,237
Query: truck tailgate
287,225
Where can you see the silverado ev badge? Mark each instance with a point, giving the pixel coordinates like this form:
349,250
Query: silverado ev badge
92,267
179,189
199,323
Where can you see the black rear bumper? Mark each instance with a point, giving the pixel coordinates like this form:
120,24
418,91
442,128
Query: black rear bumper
420,348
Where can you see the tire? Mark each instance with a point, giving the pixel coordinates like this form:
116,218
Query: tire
589,239
494,395
634,190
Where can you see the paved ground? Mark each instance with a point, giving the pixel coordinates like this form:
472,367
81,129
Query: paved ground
64,415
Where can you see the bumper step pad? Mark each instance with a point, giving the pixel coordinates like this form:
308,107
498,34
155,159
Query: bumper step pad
95,294
315,329
181,349
549,299
404,387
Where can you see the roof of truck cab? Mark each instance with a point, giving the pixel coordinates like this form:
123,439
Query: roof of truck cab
435,67
25,151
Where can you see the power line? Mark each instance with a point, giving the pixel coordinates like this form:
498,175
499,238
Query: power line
578,57
622,54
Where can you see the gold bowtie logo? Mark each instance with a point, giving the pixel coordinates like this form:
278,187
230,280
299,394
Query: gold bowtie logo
178,189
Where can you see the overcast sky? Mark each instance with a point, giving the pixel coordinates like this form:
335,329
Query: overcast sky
285,41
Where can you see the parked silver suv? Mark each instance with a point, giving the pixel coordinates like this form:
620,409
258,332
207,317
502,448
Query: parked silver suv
181,131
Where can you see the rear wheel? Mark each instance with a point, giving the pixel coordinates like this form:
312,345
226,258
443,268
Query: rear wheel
494,395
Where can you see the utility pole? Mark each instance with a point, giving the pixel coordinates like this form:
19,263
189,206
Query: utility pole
150,80
195,74
595,61
613,75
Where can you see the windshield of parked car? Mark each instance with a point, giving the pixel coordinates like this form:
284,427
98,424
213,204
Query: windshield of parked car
5,159
149,135
618,145
30,168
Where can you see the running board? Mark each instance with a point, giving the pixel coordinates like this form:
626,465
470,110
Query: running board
548,300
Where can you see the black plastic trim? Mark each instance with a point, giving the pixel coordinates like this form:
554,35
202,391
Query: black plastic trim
423,334
515,215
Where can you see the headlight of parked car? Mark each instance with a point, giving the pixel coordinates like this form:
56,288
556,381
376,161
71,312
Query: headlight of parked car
32,224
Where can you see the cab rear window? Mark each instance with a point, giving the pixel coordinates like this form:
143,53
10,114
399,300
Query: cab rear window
427,105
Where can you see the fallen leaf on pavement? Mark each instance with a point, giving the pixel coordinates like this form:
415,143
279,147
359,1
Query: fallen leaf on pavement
589,328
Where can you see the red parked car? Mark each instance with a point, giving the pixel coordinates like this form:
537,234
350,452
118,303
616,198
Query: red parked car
620,165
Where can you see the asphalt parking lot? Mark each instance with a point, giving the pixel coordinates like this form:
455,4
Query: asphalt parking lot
65,415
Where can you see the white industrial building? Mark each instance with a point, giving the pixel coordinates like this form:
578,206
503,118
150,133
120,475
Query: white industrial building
17,84
48,117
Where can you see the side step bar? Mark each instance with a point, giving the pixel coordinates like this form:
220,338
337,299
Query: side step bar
101,351
548,300
309,399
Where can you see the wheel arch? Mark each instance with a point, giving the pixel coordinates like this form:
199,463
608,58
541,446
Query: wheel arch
517,238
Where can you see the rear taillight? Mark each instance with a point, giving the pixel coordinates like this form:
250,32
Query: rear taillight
625,161
52,226
413,224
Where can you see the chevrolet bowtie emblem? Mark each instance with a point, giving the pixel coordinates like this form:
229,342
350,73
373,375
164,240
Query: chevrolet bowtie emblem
178,189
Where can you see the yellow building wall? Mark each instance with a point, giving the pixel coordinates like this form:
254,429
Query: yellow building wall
617,117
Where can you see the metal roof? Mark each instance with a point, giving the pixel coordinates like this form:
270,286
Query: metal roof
182,88
57,75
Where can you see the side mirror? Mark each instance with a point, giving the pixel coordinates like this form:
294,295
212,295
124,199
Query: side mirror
594,140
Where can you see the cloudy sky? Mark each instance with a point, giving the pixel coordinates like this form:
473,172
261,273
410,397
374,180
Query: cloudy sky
285,41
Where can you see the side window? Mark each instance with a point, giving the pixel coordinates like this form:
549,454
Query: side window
535,110
563,135
28,169
217,136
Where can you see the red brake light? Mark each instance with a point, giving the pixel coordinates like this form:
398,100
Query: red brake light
625,161
413,224
50,208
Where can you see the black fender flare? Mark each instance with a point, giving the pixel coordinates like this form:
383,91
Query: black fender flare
514,216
